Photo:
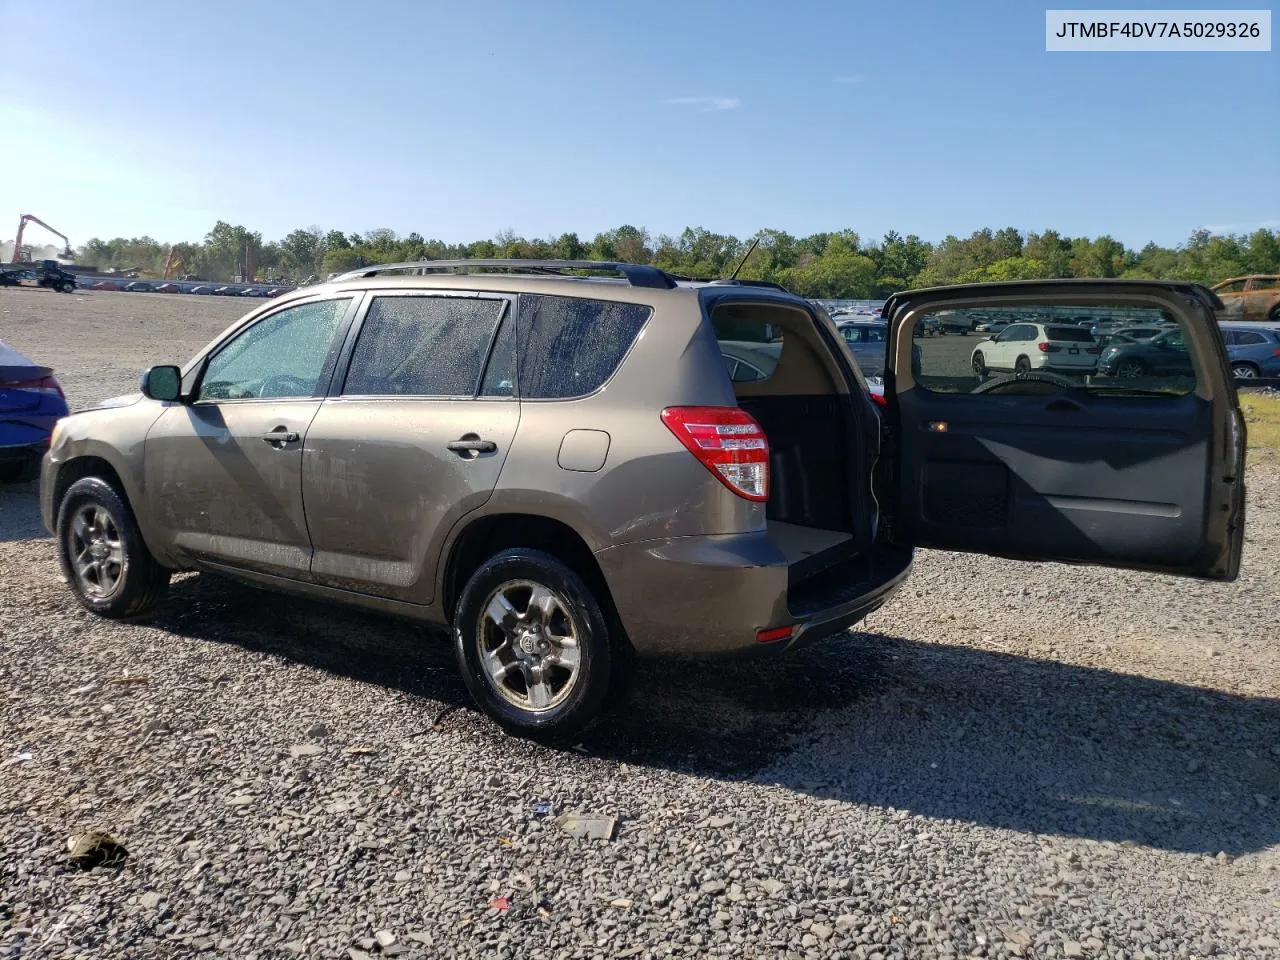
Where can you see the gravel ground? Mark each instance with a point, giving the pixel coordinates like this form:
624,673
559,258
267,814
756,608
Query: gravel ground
1009,760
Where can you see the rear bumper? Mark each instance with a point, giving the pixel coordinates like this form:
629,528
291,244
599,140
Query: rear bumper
709,596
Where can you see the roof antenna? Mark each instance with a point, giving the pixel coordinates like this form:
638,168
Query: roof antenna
743,262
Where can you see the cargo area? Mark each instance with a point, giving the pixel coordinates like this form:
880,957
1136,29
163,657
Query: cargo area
786,378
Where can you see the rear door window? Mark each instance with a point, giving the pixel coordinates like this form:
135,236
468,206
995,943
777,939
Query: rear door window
569,346
422,346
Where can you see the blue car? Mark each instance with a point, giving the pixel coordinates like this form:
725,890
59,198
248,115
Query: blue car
31,401
1253,349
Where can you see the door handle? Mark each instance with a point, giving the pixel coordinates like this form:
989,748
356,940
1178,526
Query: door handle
280,435
472,446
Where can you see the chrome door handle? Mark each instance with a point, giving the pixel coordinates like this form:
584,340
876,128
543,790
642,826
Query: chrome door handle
280,436
472,446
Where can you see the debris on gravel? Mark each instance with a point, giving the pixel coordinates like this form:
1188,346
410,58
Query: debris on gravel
1008,760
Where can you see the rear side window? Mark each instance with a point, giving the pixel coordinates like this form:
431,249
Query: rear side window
422,347
1245,338
1069,334
569,346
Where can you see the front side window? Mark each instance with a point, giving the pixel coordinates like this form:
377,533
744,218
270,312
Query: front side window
281,356
569,346
412,346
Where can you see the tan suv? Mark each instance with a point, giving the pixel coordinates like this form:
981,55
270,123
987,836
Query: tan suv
559,465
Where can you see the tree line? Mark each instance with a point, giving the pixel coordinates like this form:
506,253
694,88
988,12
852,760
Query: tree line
840,264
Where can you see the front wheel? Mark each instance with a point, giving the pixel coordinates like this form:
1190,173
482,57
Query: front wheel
1021,367
1131,369
979,365
67,287
106,562
534,645
1244,371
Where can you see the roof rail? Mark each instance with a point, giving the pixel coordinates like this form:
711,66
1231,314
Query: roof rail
636,274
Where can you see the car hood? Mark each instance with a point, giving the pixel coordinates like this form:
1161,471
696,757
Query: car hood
124,400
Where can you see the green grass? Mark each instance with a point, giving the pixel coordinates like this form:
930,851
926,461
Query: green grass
1262,420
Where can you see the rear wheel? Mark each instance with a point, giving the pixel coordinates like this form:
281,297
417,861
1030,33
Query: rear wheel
1021,367
979,365
534,645
1131,369
67,286
106,562
1244,371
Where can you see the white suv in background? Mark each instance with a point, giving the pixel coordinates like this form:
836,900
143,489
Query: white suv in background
1023,347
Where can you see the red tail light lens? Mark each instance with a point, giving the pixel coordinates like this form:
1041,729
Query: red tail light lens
879,397
728,442
38,385
1048,347
1276,351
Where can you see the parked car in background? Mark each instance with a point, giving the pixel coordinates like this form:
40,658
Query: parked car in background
746,361
104,285
226,290
18,278
166,288
1255,297
1024,347
202,289
31,401
1164,355
1252,350
138,286
868,340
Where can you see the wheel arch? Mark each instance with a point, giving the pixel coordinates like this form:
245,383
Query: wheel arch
487,535
94,464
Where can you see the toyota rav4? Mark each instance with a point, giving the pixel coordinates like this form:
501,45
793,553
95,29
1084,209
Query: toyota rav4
560,467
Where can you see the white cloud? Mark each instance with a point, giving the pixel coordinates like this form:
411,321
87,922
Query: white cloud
707,104
849,78
1244,226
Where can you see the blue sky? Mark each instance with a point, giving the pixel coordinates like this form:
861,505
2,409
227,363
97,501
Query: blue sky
460,120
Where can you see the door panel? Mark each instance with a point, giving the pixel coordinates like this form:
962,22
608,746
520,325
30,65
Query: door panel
1087,466
224,467
382,488
414,439
221,492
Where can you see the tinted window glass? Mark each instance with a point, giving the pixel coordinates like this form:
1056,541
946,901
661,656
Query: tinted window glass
1264,283
1247,337
422,347
500,374
1069,334
1047,352
282,355
569,346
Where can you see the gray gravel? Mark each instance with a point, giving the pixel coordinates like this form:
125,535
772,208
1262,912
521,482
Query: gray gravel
1009,760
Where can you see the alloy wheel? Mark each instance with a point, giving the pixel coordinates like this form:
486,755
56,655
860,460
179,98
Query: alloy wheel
96,551
527,638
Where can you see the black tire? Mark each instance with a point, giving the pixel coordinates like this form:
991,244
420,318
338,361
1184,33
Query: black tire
1274,315
1131,369
1021,367
67,287
979,365
600,651
140,583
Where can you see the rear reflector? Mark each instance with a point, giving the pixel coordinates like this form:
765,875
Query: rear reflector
728,442
777,633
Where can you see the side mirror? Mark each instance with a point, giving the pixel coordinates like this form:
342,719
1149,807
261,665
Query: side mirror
162,383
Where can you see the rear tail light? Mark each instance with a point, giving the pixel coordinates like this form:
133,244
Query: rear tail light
879,397
48,385
1048,347
1276,351
728,442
